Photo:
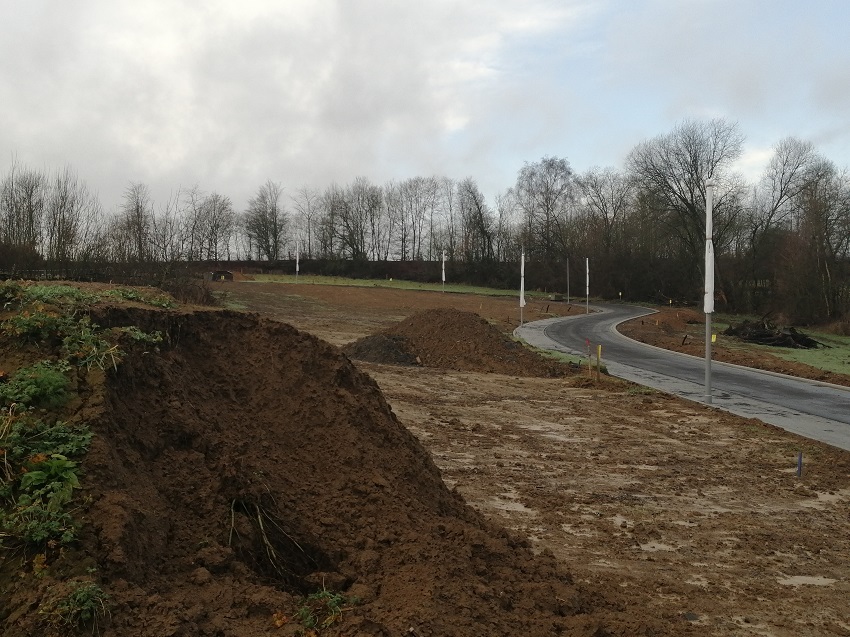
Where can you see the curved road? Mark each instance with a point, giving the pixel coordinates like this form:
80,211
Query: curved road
816,410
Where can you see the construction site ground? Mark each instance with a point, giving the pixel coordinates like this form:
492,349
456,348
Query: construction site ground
675,510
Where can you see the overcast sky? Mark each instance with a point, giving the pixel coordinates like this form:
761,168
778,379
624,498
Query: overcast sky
227,94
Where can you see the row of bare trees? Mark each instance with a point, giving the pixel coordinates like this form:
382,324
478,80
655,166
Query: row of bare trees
782,243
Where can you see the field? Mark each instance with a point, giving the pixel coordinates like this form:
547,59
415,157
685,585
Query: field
676,510
242,452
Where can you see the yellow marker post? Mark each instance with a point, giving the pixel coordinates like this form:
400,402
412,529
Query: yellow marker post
714,338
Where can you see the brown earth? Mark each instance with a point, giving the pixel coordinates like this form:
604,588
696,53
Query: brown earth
247,463
679,512
446,338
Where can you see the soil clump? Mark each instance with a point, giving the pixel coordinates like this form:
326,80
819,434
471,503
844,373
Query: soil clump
453,339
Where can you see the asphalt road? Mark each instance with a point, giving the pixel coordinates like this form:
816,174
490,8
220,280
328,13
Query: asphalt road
813,409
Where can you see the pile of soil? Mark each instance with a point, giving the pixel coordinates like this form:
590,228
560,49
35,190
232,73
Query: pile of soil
453,339
247,464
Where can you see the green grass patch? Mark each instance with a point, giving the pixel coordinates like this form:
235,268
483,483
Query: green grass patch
228,302
834,358
130,294
396,284
561,357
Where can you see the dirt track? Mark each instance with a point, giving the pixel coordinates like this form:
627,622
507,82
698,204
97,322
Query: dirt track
677,510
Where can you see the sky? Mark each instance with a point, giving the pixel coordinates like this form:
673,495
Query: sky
226,95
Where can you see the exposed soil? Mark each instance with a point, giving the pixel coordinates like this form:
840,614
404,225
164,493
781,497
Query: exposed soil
679,512
446,338
247,463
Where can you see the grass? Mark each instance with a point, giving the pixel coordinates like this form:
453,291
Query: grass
561,357
835,358
84,605
323,609
386,283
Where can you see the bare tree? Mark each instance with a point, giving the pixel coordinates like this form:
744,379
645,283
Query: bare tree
306,204
448,198
608,197
358,208
545,193
72,218
266,220
136,223
477,223
168,232
219,221
673,170
23,197
505,239
817,250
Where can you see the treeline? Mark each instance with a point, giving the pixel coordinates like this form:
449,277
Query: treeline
781,243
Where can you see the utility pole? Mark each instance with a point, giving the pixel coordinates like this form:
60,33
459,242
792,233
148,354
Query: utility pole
708,301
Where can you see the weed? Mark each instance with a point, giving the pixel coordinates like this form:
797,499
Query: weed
640,390
137,335
10,291
84,605
130,294
37,325
57,295
323,609
42,385
25,437
86,346
35,523
37,479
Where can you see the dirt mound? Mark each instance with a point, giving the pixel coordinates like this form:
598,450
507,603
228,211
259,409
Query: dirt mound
393,349
453,339
248,464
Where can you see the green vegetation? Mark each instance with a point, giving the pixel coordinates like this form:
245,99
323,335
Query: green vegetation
42,385
385,283
36,325
129,294
37,481
323,609
834,358
40,452
86,345
138,336
84,605
68,296
58,295
640,390
226,301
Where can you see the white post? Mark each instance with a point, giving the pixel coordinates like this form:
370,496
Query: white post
568,280
444,270
587,284
708,301
521,286
297,264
